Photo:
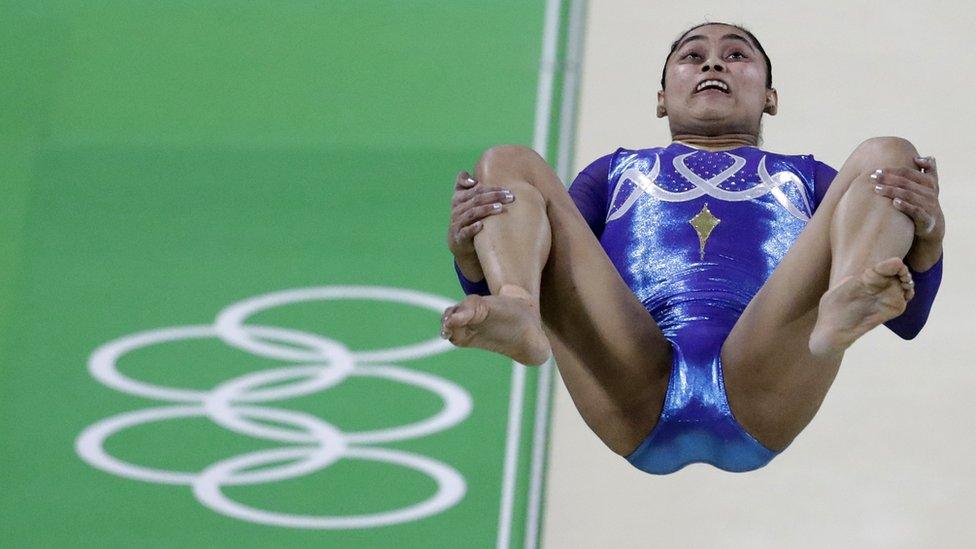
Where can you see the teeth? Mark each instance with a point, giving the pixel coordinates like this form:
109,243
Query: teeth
713,83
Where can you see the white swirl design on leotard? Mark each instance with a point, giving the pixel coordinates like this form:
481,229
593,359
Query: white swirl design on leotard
768,184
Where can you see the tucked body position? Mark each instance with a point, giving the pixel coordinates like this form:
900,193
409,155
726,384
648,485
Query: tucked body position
697,298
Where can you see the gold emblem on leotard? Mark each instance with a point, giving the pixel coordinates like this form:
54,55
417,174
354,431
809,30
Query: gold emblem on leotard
703,223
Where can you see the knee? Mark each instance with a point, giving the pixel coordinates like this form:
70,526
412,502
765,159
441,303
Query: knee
506,159
885,152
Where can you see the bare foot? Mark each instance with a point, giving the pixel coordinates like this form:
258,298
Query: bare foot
508,323
858,303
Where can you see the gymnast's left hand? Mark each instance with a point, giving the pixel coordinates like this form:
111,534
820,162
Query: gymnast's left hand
916,194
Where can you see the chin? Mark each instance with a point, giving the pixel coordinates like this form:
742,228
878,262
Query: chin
715,117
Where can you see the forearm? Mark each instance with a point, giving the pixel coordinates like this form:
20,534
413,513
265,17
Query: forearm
908,324
478,286
469,268
921,259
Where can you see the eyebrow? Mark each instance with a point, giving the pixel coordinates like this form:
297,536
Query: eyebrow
702,37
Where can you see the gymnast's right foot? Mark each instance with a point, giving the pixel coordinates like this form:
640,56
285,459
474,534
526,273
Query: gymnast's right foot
508,323
858,303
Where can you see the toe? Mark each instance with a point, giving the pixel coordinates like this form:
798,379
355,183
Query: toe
447,313
890,267
874,281
473,310
450,322
462,317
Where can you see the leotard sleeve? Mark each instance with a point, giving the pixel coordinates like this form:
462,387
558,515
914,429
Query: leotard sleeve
480,287
823,175
589,193
908,324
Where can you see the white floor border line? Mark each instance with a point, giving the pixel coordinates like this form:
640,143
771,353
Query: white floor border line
543,111
567,132
538,453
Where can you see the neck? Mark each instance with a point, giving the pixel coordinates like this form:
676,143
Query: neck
716,142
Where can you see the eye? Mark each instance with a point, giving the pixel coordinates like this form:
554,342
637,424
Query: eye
690,54
739,53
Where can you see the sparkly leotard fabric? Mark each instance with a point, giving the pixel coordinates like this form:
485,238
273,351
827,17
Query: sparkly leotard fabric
695,234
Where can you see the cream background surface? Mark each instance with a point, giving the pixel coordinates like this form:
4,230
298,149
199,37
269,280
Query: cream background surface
890,460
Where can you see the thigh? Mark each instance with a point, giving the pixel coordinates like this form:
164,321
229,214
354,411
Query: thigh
766,358
611,355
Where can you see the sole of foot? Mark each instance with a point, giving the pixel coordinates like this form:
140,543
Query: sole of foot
508,323
859,303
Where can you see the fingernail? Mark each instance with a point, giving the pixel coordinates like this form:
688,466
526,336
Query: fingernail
877,188
471,181
921,158
509,197
897,202
875,174
496,206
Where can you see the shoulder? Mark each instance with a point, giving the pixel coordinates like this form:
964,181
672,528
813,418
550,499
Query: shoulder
600,169
808,161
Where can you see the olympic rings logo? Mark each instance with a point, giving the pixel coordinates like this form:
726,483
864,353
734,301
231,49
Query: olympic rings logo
317,364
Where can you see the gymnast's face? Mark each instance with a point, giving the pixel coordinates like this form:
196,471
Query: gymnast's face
718,52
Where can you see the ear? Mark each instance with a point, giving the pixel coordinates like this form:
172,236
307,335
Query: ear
772,102
661,111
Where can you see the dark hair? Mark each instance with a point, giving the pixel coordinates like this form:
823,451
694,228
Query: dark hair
755,42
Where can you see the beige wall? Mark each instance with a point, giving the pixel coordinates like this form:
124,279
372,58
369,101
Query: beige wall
890,460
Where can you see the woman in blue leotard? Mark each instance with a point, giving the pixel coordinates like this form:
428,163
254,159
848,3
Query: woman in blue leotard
698,298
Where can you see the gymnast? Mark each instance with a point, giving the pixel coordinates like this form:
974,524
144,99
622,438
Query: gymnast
697,298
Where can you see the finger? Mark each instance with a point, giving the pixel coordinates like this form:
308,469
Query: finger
502,196
464,195
924,222
915,180
927,163
891,191
479,212
467,233
464,181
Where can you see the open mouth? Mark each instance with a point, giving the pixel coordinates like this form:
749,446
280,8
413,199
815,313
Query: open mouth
712,85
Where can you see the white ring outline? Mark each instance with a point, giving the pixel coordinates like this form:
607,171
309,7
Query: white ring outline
450,490
103,364
90,445
232,319
332,443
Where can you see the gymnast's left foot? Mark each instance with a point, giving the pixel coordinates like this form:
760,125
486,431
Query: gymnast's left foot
508,323
858,303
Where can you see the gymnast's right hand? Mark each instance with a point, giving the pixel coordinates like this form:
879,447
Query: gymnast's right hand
471,203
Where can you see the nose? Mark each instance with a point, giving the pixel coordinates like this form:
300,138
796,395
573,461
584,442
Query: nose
718,67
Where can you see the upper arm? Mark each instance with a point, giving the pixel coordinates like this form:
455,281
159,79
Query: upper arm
589,193
823,176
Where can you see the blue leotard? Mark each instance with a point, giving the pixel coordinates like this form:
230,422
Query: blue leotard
695,234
